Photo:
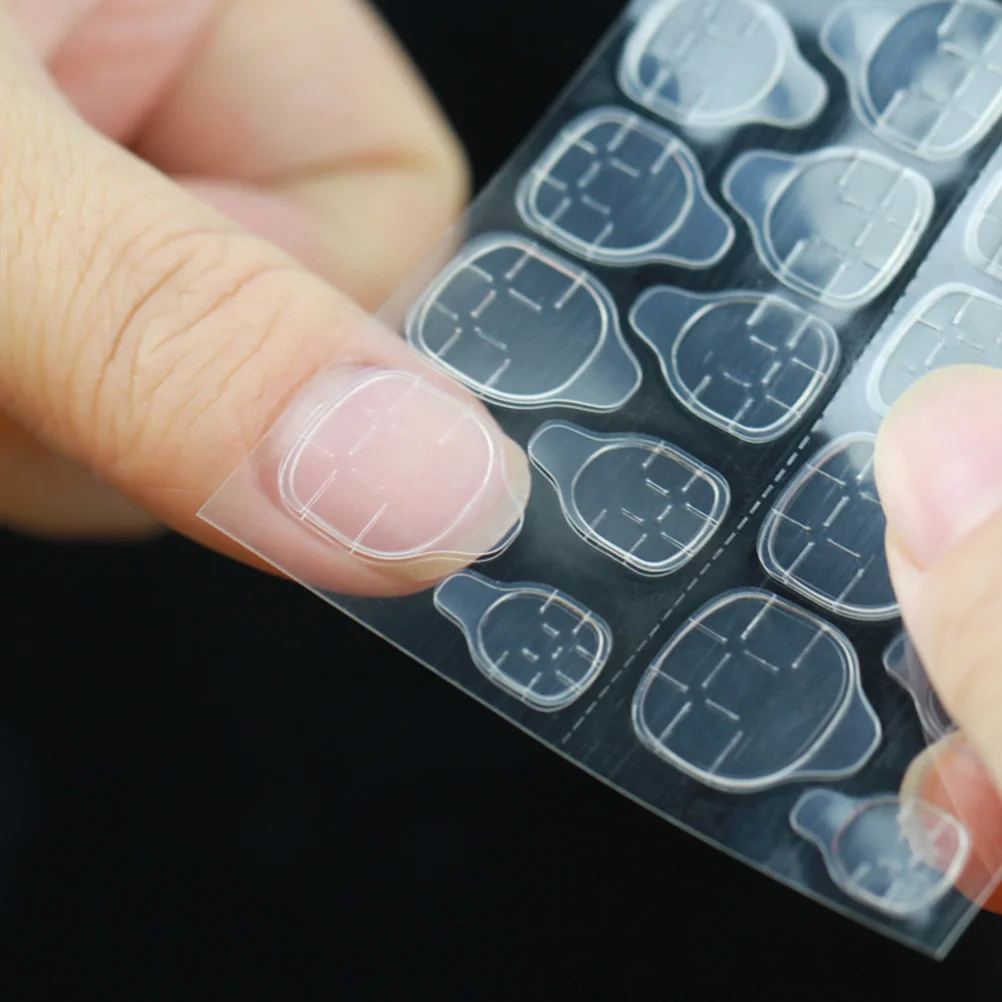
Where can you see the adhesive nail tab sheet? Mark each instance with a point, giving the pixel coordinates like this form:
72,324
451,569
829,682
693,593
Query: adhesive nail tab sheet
742,232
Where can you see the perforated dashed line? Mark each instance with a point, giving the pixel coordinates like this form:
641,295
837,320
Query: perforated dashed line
681,597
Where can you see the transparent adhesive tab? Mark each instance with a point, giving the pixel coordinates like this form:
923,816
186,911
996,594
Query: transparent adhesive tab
925,77
835,225
900,857
903,664
983,239
524,328
718,64
619,190
824,536
644,502
754,692
540,645
749,363
952,325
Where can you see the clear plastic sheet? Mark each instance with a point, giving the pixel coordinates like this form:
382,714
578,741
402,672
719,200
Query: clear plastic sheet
735,240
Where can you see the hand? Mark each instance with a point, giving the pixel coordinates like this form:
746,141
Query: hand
197,200
939,470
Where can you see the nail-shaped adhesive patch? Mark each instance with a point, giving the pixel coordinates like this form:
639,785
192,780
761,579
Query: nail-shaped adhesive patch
983,240
903,664
524,328
535,642
824,536
619,190
749,363
899,857
719,64
642,501
395,469
754,692
952,325
836,225
924,77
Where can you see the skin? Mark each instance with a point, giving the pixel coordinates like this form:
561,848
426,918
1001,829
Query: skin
200,200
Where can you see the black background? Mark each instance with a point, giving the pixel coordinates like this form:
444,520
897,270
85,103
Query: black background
212,786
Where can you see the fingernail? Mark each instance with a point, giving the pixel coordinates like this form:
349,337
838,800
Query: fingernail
402,472
939,461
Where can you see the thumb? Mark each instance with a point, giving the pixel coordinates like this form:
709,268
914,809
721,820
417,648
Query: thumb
939,472
154,341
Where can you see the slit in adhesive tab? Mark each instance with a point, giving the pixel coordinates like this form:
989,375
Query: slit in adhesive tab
824,537
835,225
394,469
924,77
748,363
524,328
952,325
899,857
983,240
538,644
903,664
719,64
754,692
643,502
618,190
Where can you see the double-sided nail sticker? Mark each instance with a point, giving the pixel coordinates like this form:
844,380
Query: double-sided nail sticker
903,664
753,692
983,239
719,64
644,502
538,644
899,857
749,363
524,328
926,77
618,190
824,536
835,225
350,475
952,325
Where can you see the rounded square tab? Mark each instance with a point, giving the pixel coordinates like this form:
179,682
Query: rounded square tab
538,644
619,190
983,239
524,328
902,663
718,64
924,76
751,364
642,501
952,325
899,857
824,536
753,692
837,225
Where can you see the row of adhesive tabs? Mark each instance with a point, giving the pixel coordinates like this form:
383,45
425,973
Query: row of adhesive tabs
525,328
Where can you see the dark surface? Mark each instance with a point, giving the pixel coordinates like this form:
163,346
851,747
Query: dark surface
244,795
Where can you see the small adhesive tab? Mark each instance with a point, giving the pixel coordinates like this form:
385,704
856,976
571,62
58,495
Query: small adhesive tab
754,692
824,537
836,225
952,325
619,190
524,328
903,664
535,642
899,857
645,503
718,64
924,77
749,363
983,239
